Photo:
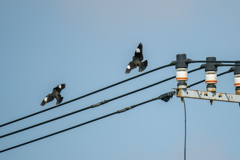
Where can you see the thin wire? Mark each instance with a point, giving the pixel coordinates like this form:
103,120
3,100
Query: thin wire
230,70
220,65
92,106
119,111
33,114
185,138
67,129
204,61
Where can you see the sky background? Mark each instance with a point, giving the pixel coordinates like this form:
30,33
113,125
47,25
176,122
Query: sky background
87,45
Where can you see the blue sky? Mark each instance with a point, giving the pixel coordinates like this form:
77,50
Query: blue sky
87,45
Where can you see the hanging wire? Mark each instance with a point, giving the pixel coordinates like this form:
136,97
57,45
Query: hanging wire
185,135
170,64
67,129
94,105
204,61
185,114
33,114
119,111
230,70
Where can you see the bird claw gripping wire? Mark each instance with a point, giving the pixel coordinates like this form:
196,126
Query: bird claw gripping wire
166,96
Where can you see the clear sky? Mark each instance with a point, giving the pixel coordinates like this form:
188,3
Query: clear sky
87,44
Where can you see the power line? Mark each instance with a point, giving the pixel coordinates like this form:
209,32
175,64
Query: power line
230,70
33,114
185,114
220,65
119,111
204,61
94,105
185,135
64,130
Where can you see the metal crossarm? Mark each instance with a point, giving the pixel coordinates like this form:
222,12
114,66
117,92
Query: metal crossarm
212,96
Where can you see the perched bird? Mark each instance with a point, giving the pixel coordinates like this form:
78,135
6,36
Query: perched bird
55,94
137,61
166,96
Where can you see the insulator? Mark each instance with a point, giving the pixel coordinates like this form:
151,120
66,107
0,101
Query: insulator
181,61
211,78
181,77
182,85
211,66
237,68
181,67
211,87
237,79
237,82
237,90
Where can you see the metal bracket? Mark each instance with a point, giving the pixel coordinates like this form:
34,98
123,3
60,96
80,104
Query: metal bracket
212,96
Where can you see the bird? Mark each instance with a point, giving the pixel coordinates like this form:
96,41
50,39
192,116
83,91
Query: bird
55,94
137,61
166,96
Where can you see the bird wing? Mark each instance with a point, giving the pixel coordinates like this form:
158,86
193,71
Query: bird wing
138,52
143,66
59,88
47,99
131,65
59,99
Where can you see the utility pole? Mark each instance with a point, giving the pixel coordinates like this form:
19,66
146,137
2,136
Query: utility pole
181,65
210,80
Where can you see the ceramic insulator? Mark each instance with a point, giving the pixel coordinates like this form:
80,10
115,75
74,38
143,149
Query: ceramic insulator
237,82
211,79
181,75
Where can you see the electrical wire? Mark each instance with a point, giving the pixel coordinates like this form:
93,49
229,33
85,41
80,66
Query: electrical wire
67,129
33,114
119,111
204,61
221,65
94,105
230,70
217,63
185,135
170,64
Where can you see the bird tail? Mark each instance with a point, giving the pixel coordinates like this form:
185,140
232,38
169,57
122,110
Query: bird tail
59,100
43,103
143,66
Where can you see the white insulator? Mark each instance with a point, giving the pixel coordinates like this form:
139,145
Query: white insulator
182,76
211,72
182,87
211,89
237,82
181,69
237,75
211,79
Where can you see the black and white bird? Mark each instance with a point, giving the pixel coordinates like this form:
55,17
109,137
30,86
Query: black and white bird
137,61
55,94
